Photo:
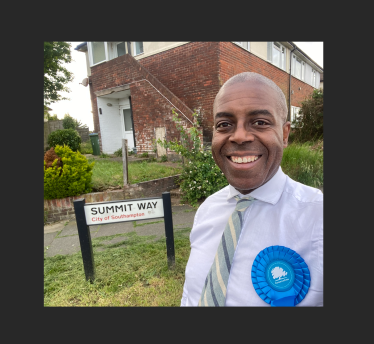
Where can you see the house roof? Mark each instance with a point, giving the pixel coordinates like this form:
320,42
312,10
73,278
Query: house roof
81,47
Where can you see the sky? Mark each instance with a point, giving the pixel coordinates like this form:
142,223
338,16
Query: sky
79,105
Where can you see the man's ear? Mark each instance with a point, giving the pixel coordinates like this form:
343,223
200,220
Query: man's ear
286,133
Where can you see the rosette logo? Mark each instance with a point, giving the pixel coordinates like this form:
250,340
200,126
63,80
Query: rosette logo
280,275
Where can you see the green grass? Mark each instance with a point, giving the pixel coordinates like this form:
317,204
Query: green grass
303,164
132,272
108,173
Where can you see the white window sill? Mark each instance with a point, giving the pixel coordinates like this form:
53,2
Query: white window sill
98,63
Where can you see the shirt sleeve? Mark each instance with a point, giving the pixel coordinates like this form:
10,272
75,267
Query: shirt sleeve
184,296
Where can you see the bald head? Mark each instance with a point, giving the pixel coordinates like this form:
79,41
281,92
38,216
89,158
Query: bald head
250,77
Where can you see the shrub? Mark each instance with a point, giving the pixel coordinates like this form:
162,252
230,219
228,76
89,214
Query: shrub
73,178
68,137
309,125
164,158
86,148
144,155
201,177
118,152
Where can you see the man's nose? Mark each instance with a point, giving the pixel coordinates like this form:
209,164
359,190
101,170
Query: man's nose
241,135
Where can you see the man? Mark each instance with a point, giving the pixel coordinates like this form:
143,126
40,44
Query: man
250,132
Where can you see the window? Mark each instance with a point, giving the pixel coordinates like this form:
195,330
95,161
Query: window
313,78
277,54
98,52
121,49
294,114
245,45
298,68
138,48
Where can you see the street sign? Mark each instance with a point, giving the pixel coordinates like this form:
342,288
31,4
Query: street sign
108,212
102,213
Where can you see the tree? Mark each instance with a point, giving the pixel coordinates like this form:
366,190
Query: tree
52,117
309,125
71,123
56,76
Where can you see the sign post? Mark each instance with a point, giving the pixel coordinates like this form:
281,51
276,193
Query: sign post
168,220
125,162
102,213
84,239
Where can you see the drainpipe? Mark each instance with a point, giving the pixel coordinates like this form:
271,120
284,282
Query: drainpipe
129,48
289,89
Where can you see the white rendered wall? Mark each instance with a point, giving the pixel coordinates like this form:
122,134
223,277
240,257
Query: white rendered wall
110,124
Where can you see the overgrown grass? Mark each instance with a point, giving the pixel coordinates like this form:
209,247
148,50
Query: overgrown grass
303,164
86,148
132,272
107,173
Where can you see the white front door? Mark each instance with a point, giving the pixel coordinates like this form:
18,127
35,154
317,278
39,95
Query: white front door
127,129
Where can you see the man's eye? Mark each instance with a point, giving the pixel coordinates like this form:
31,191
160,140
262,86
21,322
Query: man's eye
223,125
259,123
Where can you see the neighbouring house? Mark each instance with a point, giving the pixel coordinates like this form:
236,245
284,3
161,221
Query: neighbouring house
135,85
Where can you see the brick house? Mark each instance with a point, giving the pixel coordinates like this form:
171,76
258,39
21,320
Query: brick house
135,85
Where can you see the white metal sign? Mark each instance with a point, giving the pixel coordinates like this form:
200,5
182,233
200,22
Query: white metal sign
103,213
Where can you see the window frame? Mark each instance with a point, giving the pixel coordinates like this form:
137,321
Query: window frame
283,55
90,56
293,115
313,81
117,49
134,50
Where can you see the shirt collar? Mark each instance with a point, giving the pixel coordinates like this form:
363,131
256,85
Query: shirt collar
269,192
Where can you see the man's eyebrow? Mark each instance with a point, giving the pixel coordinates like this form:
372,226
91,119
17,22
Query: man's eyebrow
251,113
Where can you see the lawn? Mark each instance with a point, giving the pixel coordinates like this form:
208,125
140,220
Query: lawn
109,173
131,272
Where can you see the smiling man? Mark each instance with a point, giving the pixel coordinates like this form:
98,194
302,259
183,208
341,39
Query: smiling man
261,208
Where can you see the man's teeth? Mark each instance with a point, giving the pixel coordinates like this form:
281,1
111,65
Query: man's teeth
244,159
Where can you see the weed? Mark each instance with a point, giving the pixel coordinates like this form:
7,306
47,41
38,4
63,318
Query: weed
144,155
104,155
164,158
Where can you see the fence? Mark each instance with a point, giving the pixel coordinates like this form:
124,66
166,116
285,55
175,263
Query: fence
51,126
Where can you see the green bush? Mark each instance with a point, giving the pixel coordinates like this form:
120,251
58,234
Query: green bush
201,177
72,179
309,125
68,137
86,148
144,155
164,158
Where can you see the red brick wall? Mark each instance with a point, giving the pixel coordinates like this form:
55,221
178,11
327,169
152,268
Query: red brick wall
150,108
190,71
235,60
190,77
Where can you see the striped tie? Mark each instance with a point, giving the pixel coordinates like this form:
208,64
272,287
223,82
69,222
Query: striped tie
214,291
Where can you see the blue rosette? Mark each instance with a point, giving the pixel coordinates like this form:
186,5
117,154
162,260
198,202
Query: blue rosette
280,276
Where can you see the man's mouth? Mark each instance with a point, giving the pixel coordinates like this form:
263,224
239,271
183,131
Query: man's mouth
243,159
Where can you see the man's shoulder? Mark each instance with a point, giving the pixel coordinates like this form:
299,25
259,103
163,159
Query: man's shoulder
217,197
303,193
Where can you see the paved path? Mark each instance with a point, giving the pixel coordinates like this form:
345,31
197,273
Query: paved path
62,237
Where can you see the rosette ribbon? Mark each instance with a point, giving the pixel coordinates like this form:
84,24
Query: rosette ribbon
280,276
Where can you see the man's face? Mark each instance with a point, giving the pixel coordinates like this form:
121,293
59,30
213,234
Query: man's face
249,135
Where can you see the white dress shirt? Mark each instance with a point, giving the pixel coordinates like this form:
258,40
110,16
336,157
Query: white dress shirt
285,213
